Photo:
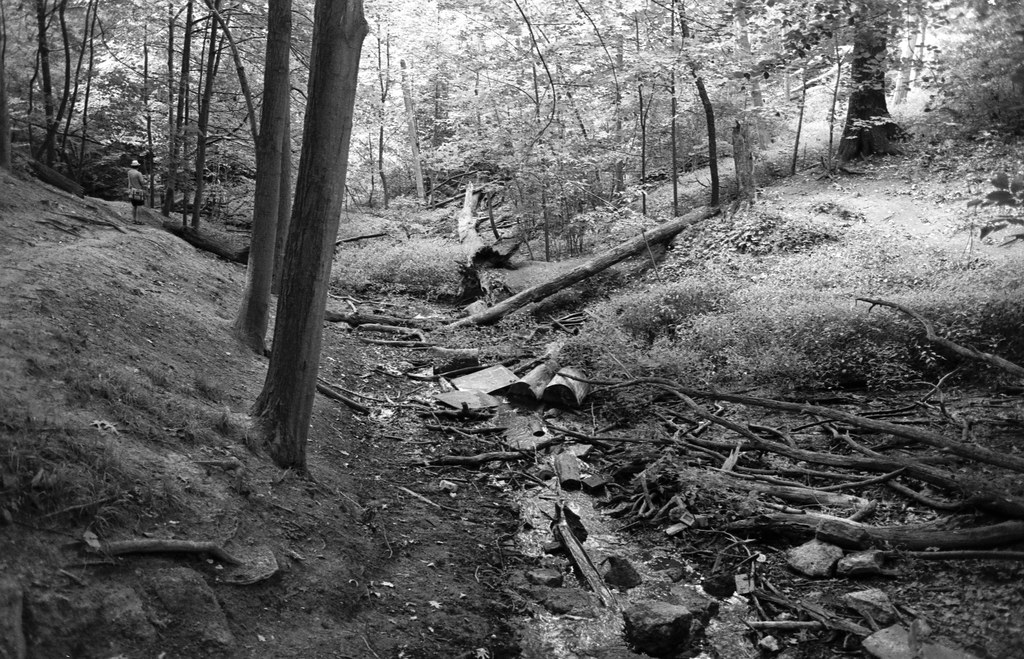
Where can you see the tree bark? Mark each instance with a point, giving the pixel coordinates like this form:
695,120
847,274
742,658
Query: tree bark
253,316
177,128
744,159
46,149
709,114
869,129
5,117
207,243
663,233
284,407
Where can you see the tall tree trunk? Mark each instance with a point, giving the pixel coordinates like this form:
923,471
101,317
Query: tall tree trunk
86,97
746,187
168,201
202,124
5,117
414,136
869,129
253,315
90,7
709,114
743,39
384,81
284,407
178,129
46,150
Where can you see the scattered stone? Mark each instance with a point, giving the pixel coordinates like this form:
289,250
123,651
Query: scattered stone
190,609
769,644
861,563
895,643
594,484
620,573
12,636
873,604
545,577
815,559
721,586
657,628
701,606
553,547
561,601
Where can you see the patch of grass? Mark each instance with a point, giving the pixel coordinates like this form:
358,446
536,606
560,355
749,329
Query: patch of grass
56,471
791,321
424,267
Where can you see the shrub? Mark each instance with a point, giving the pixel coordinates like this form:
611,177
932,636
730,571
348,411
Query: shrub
664,309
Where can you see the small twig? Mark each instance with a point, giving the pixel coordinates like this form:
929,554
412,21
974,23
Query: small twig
426,500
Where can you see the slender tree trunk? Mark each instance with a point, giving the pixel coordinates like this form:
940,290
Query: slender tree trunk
799,126
5,117
414,137
168,201
283,409
147,85
178,129
202,125
90,7
46,150
253,316
869,129
709,114
743,39
66,86
675,119
88,93
384,81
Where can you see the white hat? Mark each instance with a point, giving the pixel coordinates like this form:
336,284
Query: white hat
135,163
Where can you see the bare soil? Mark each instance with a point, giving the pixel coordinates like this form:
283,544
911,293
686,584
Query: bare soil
123,394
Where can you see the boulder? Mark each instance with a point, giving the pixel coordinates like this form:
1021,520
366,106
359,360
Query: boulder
815,559
657,628
873,604
545,577
861,563
620,573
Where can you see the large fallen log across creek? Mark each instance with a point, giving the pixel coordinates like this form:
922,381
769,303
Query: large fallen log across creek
660,234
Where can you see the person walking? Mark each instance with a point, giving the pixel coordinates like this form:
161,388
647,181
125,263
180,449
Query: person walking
136,190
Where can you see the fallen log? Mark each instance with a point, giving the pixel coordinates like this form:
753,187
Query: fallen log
567,469
806,496
208,243
531,386
660,234
963,351
356,318
580,558
854,535
156,545
56,179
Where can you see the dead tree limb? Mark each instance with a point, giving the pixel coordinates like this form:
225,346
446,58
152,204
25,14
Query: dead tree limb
160,545
580,558
854,535
963,351
660,234
331,391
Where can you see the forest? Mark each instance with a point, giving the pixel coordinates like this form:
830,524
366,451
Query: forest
507,328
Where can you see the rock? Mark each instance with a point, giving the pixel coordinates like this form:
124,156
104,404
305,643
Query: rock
657,628
545,577
895,643
561,601
620,573
743,584
190,611
873,604
12,636
861,563
769,644
814,559
701,606
595,484
721,586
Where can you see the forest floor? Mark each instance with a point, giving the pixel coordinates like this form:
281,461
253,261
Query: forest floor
122,403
